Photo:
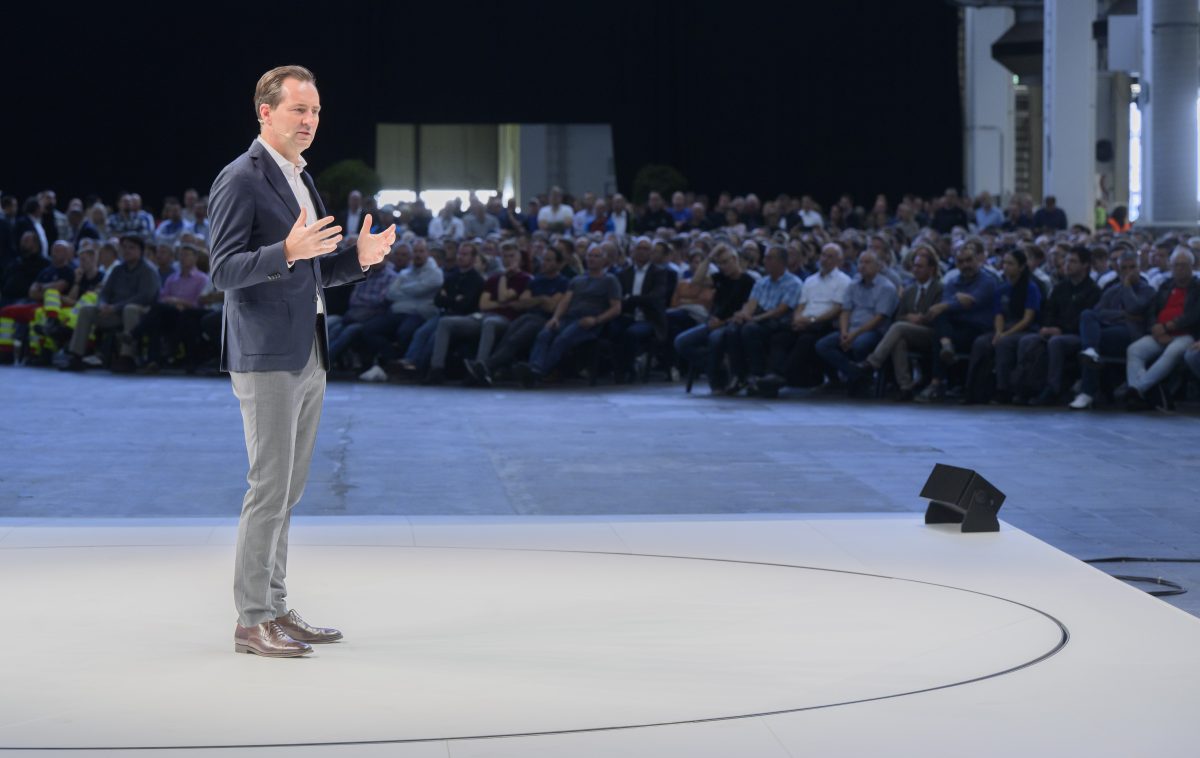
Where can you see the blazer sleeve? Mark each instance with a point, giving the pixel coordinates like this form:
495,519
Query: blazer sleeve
231,214
341,267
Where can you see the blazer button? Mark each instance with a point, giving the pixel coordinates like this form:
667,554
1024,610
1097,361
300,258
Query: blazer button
314,298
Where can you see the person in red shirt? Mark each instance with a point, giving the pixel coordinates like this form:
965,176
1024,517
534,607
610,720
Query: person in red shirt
1175,323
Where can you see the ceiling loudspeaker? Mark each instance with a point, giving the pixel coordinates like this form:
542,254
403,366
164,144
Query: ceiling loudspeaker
961,496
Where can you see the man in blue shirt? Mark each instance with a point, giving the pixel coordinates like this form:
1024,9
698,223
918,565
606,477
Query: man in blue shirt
867,310
764,314
966,311
987,214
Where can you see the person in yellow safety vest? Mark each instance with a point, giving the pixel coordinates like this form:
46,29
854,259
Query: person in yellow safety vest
56,276
55,320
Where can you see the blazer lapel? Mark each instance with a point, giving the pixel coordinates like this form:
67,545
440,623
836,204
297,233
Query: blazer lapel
316,199
275,178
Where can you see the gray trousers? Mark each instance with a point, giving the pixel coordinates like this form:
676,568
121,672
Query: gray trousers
899,338
449,328
280,414
1146,349
89,316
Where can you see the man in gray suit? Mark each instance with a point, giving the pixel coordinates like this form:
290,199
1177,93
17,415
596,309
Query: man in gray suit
911,329
273,249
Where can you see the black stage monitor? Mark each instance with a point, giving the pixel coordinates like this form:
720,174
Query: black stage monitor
961,496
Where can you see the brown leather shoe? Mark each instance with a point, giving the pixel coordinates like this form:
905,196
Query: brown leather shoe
299,629
267,639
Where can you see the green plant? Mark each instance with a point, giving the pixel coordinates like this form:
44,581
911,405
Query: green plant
657,177
343,176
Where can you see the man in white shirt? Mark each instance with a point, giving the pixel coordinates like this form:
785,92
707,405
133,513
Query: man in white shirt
446,225
793,352
621,220
554,217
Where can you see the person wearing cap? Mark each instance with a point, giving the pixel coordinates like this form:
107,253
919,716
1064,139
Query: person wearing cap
128,292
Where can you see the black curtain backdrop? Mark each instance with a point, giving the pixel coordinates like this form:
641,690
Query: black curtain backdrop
856,96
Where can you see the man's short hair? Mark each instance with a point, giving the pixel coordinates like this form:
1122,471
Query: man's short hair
269,90
1183,252
135,239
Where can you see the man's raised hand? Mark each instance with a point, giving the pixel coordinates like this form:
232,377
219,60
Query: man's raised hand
304,242
373,248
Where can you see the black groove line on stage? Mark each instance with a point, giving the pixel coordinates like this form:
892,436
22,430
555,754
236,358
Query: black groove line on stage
1064,638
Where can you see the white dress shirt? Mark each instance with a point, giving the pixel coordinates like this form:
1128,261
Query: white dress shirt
291,172
820,293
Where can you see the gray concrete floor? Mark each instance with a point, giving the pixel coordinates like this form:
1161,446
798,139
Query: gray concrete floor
1092,484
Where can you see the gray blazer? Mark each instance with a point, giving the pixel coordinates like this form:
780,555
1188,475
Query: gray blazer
270,314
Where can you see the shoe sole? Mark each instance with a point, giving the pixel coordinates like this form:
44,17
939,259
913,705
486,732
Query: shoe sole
251,651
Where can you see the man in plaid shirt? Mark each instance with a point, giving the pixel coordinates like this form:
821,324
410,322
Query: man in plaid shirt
369,299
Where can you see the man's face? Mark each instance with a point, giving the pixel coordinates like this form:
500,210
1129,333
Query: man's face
125,204
1074,266
1181,271
555,197
550,265
355,200
49,200
200,211
420,254
464,258
75,217
511,258
187,258
87,259
29,244
189,198
597,260
868,266
677,201
830,259
402,255
61,254
967,262
173,212
135,202
618,203
164,256
131,253
642,252
293,122
655,202
775,263
921,269
600,209
727,263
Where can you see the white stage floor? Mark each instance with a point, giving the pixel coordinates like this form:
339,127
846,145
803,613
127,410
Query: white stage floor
644,636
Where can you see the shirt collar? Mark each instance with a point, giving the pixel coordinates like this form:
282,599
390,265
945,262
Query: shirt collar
287,167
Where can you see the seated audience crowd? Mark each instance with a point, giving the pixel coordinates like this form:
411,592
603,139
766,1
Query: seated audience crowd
931,300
